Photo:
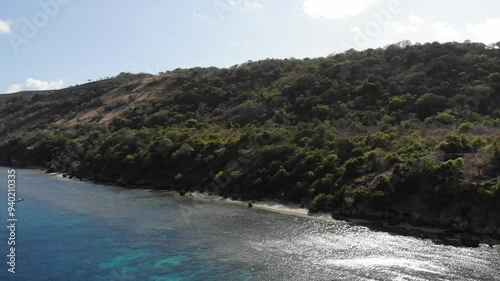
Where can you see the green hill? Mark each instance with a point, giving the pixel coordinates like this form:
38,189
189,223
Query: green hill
410,129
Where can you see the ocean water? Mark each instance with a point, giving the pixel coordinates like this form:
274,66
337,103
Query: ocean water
72,230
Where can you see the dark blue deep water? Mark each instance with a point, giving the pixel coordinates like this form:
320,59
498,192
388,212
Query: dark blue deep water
72,230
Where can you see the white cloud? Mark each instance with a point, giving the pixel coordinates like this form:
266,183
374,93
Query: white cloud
487,32
35,85
14,88
444,32
402,28
335,9
416,19
4,27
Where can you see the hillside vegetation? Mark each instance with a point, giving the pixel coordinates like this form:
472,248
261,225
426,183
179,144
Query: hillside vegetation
414,129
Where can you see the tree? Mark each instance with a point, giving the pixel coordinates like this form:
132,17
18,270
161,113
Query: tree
451,171
429,104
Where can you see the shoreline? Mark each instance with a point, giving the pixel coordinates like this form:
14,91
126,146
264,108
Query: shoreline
269,205
437,235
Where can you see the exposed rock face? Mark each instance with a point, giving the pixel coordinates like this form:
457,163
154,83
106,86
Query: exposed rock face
393,217
462,217
406,217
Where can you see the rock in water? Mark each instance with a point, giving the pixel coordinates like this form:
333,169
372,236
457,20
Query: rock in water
250,205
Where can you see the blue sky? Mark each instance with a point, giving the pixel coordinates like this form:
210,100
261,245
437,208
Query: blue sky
49,44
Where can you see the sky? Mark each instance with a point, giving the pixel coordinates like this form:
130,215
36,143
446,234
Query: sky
52,44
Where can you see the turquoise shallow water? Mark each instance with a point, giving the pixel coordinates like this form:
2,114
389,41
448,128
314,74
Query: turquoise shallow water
58,239
71,230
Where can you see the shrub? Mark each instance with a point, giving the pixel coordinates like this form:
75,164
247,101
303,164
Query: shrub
465,127
381,183
445,118
352,167
454,144
451,170
191,123
321,201
236,176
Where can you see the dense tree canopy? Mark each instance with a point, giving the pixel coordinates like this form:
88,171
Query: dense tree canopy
370,127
